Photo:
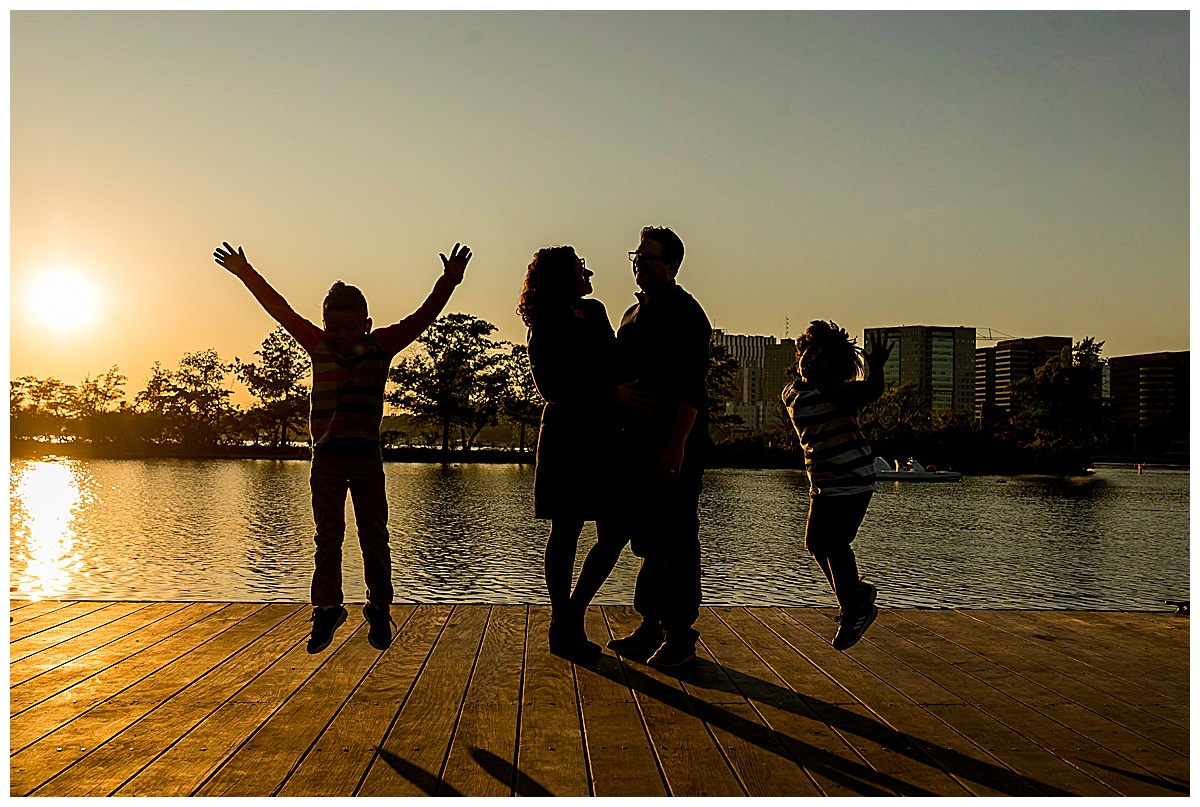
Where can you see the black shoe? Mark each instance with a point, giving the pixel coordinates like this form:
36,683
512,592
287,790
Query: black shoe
380,632
673,656
640,644
853,626
869,591
325,622
569,641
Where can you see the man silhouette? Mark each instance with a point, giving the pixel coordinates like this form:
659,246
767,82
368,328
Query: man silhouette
662,345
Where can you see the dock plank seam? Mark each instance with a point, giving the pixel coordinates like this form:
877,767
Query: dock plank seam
933,751
333,716
1131,709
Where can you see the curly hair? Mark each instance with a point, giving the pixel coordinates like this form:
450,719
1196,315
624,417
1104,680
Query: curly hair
344,298
549,283
843,359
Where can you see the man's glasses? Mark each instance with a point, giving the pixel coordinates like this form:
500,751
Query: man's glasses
640,257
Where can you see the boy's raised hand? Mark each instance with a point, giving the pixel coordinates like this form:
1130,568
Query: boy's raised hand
878,350
235,262
454,266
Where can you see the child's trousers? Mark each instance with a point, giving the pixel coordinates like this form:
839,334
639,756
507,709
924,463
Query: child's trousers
359,471
833,521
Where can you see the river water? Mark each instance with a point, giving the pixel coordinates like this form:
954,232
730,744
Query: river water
241,530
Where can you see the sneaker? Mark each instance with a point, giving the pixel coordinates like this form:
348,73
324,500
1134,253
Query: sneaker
853,626
640,644
673,656
380,632
871,593
325,622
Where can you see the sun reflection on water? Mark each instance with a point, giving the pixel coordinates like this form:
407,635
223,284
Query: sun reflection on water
45,499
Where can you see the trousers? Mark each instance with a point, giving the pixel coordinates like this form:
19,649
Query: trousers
333,474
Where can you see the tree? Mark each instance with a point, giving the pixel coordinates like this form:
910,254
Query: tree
278,383
723,386
523,405
1061,414
155,402
445,383
96,397
201,397
40,406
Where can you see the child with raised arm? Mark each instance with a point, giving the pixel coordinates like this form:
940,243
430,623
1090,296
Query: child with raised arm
350,367
822,404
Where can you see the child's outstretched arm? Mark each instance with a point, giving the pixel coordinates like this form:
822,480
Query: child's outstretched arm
303,331
395,338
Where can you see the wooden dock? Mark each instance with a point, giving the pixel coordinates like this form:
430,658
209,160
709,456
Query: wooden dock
174,699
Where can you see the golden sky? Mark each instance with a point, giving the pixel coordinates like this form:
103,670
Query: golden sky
1026,172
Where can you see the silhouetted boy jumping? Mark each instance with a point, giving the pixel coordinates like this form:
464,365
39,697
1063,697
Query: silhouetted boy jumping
841,472
350,366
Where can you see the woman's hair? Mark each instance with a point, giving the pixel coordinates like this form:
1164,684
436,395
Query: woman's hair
842,358
344,298
549,284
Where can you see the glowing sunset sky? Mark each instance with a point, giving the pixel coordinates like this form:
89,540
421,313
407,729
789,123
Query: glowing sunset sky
1026,172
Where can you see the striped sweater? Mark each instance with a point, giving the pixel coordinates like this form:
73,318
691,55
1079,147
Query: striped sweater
347,395
836,454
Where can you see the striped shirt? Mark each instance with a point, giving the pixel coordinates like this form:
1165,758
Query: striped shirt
836,454
347,395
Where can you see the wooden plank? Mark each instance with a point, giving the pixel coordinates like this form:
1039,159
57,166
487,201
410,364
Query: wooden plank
897,697
42,704
72,649
834,767
187,764
1046,770
620,758
551,757
761,761
692,763
33,690
23,610
1107,694
51,620
264,762
41,760
337,763
1081,639
105,769
81,626
413,753
483,753
1021,704
1096,719
878,759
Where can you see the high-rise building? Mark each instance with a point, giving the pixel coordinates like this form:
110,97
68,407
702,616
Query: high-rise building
762,370
940,361
999,366
1150,394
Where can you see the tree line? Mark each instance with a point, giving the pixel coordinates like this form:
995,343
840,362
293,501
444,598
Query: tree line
455,383
457,380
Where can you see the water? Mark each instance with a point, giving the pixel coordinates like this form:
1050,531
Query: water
241,530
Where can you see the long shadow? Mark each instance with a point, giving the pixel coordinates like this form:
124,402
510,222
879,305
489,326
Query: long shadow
852,775
428,782
504,772
1151,780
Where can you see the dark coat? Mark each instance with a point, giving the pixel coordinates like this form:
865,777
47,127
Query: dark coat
573,361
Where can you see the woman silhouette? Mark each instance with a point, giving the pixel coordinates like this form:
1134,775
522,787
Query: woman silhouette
572,355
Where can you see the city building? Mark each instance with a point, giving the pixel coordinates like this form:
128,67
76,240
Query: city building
763,363
1150,395
998,366
940,361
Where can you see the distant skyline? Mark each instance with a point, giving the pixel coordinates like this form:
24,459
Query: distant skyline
1021,171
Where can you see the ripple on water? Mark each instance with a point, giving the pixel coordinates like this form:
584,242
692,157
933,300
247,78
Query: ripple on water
242,530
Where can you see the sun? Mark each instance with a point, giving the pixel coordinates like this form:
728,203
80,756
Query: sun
64,299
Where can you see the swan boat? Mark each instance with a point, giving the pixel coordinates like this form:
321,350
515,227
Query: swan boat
913,471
